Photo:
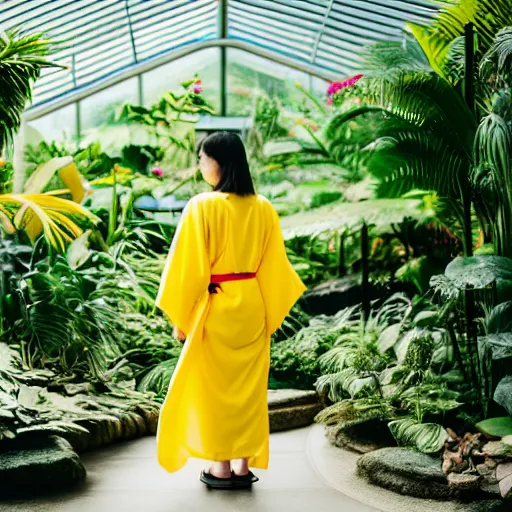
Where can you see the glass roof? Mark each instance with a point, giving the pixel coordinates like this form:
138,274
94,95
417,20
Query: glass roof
106,37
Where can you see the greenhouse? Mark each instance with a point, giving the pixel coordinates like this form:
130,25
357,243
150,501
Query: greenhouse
256,235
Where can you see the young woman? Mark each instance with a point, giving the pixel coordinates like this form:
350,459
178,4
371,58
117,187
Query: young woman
226,287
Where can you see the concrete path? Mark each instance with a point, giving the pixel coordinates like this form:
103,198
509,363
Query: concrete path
126,477
306,474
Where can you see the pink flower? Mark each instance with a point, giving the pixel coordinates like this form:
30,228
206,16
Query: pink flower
157,172
329,101
198,87
337,86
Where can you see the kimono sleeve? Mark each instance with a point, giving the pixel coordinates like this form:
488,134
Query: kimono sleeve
280,285
186,274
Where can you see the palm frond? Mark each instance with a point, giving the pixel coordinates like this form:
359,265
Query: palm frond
488,17
386,57
500,51
21,59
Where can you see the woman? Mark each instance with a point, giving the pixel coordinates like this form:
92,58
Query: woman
226,287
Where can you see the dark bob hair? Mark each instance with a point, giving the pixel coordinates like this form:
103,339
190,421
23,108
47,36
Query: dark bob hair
227,149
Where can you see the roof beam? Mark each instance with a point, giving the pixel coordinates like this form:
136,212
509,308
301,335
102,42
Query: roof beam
143,67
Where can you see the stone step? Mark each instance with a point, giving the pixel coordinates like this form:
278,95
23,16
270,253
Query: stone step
278,398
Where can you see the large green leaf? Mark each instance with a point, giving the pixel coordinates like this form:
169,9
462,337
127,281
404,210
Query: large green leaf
499,345
425,437
496,427
389,337
481,272
331,218
9,360
401,348
503,393
500,319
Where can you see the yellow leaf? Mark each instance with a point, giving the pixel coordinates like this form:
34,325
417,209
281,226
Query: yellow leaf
73,180
6,223
44,173
66,222
62,205
41,213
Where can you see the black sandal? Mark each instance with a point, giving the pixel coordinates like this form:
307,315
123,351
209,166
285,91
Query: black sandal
214,482
244,481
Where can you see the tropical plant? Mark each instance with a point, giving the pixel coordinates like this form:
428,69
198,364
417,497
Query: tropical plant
162,132
65,322
22,56
392,367
59,220
427,135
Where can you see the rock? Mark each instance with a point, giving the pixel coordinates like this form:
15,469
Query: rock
406,472
490,463
506,487
288,418
411,473
507,441
464,481
491,488
74,389
292,408
485,470
504,470
485,506
36,467
497,449
361,436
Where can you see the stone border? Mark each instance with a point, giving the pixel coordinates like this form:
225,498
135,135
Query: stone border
337,468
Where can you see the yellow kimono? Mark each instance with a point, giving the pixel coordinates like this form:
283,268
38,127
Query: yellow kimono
216,404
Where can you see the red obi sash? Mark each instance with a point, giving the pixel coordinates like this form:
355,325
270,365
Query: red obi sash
217,279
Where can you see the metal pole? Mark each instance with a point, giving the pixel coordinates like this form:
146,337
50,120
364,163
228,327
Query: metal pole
469,95
78,121
342,270
140,89
365,284
223,34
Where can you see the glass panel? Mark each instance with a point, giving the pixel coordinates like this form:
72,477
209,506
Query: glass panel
205,64
100,108
59,126
249,74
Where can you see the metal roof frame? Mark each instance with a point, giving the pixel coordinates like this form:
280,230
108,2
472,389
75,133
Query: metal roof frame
113,40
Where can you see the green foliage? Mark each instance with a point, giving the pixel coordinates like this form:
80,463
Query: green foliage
294,362
340,216
312,258
66,321
362,409
21,59
499,345
425,437
479,272
503,393
387,366
6,175
266,124
496,427
499,319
